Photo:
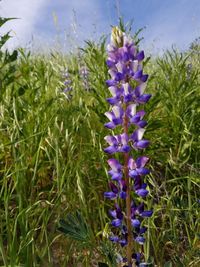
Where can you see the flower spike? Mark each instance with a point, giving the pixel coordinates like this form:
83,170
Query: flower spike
127,178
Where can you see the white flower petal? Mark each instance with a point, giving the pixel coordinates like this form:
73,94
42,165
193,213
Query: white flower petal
126,87
117,111
135,65
113,90
132,109
109,115
142,88
140,133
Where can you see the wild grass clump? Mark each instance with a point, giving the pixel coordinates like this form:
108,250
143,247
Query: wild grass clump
52,164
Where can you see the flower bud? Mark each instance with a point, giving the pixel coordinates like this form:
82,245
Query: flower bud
117,37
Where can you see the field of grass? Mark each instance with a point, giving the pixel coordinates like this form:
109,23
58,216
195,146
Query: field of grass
52,163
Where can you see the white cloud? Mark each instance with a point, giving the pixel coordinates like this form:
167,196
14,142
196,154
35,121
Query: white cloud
173,25
28,12
77,18
83,19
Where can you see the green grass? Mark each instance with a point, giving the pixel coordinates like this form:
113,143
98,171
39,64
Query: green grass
52,163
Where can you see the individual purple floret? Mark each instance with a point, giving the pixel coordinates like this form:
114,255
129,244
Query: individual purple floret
137,167
117,216
127,86
118,143
115,116
136,138
117,191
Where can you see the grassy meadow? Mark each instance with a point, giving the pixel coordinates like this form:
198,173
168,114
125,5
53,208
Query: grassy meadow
52,164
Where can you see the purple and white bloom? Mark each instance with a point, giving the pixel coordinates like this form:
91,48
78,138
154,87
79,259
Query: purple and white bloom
140,240
137,167
127,92
117,216
138,142
116,169
139,96
84,75
127,86
67,81
84,72
113,193
114,238
115,116
68,85
116,95
135,223
118,143
136,117
139,210
142,192
117,191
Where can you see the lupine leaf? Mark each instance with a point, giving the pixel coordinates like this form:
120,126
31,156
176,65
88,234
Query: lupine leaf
75,227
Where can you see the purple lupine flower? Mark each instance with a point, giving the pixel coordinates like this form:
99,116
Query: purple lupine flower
123,242
84,74
115,116
116,169
116,95
136,168
136,118
117,217
140,240
67,81
139,96
127,86
116,191
135,223
118,143
113,193
140,188
139,210
114,238
138,142
137,258
68,84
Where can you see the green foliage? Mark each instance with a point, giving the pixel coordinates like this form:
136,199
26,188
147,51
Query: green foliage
75,227
174,127
7,60
4,20
52,164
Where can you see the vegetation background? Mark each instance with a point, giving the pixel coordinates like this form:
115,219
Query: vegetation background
52,166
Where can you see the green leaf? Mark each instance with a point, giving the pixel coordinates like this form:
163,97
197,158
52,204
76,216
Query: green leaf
4,39
13,56
75,227
4,20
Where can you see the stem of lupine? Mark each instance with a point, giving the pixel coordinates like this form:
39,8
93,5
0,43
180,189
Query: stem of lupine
128,198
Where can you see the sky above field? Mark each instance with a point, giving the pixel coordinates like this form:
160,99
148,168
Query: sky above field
66,23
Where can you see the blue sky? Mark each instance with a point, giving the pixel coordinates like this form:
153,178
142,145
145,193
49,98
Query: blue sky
67,23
